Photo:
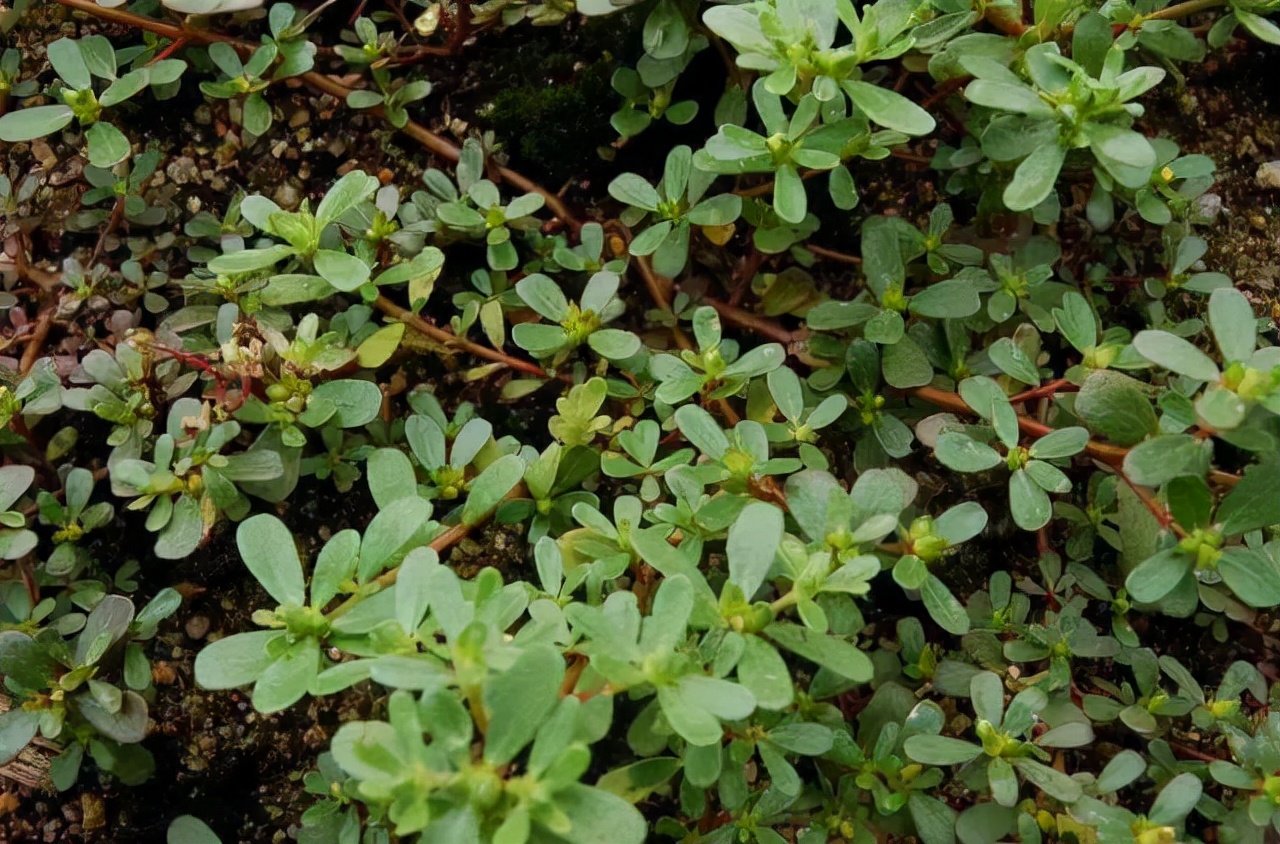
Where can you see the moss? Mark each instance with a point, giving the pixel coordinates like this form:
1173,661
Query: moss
556,127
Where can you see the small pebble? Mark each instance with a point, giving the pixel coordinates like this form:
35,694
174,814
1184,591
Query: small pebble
162,674
43,153
182,170
1268,175
287,196
71,172
94,809
198,627
1209,206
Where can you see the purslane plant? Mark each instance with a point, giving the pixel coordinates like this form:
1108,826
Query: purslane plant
1062,107
677,204
78,63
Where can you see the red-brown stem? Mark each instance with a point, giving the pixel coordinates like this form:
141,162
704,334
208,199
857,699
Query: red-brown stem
193,360
658,289
1192,753
833,255
944,90
418,54
1008,24
572,674
1182,10
1042,541
1112,455
1058,385
1157,510
461,25
174,46
766,187
197,362
746,270
113,222
447,338
129,19
914,158
763,326
397,9
35,342
1107,453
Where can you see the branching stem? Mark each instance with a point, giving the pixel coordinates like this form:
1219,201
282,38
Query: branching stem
1113,455
446,540
447,338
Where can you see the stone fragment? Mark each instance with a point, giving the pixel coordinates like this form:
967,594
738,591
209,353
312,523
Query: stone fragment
1268,176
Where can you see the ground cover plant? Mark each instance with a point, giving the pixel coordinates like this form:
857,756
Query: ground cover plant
866,443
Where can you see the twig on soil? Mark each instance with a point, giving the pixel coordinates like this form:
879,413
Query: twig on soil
31,766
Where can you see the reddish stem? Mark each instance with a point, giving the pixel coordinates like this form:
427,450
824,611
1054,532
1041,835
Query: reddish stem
1058,385
1154,507
168,51
833,255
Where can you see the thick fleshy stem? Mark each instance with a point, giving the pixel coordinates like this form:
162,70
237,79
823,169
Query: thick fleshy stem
1157,510
1182,10
1058,385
